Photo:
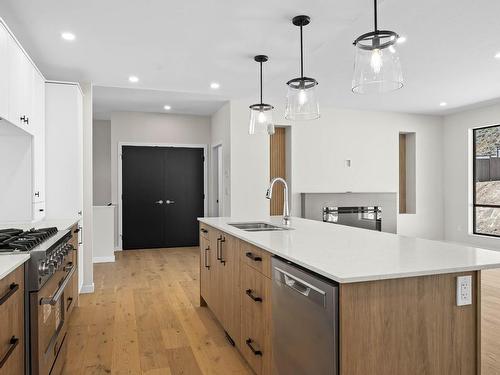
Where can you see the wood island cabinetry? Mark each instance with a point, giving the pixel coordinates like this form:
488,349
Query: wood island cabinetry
405,326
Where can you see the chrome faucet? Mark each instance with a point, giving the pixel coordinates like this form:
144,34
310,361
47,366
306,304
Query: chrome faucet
286,207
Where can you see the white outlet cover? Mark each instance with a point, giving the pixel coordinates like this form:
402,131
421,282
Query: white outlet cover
464,290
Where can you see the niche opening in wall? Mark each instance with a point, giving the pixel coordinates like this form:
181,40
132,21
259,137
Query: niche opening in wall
407,173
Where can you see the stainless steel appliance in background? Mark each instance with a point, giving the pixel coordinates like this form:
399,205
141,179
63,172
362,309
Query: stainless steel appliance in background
361,217
305,321
50,293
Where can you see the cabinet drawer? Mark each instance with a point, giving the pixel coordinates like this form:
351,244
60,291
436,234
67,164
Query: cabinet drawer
12,323
256,319
256,258
204,231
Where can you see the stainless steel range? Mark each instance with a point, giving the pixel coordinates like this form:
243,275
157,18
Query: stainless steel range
50,293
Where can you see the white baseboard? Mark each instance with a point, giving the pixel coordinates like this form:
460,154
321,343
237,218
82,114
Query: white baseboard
87,289
110,259
118,248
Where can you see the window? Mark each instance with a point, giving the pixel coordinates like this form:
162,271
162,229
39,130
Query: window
486,174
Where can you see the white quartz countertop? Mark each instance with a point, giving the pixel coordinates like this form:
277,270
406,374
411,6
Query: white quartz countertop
346,254
10,262
60,224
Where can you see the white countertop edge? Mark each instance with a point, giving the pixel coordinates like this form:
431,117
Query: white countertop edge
238,233
10,262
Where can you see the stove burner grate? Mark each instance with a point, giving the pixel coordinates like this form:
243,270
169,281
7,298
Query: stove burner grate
19,240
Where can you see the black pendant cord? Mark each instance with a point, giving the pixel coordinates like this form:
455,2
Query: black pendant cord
375,14
302,54
261,82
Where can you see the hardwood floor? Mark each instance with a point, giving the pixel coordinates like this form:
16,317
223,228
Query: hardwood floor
145,318
490,331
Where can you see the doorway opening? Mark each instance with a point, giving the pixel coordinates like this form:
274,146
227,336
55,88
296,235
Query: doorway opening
217,181
280,162
163,192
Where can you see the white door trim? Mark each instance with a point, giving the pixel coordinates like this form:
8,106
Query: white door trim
119,158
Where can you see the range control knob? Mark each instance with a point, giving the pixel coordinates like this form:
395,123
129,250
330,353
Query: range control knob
43,268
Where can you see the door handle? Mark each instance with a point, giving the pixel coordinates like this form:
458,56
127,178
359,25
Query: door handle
169,201
159,202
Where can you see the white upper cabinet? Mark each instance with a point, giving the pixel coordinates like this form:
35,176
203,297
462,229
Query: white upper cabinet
4,73
63,142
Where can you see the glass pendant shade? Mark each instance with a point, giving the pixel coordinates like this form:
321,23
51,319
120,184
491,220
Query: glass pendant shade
376,70
261,119
302,100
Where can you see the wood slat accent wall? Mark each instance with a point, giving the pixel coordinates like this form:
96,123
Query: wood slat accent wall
409,326
277,168
402,173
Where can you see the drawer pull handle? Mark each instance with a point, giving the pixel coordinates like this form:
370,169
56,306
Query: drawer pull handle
203,230
12,289
206,258
249,344
13,343
70,302
249,294
253,257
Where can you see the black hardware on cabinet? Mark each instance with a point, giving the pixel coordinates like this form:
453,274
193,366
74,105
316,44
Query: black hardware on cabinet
13,343
37,194
41,209
23,119
12,289
219,239
253,257
27,121
76,230
206,257
249,344
70,300
223,239
203,230
249,294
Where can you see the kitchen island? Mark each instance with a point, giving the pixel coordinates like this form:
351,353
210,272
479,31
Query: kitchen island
397,296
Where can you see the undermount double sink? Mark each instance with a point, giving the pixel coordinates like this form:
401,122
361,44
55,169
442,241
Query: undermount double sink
257,227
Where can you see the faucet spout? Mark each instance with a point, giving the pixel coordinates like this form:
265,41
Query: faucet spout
286,206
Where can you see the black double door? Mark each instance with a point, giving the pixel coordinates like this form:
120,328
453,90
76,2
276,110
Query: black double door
162,196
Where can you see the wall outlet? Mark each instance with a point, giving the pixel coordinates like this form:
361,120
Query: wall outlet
464,290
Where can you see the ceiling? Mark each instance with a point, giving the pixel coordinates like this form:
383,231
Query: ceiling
181,46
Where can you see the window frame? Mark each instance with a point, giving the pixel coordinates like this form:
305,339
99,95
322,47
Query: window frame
474,204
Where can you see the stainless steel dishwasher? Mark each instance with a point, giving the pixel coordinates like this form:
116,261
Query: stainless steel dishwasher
305,321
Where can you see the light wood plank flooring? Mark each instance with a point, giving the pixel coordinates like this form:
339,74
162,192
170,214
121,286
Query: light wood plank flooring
490,332
145,318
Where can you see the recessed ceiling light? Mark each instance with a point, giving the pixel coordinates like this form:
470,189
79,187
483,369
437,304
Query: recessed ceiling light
443,104
401,39
214,85
68,36
167,108
497,56
133,79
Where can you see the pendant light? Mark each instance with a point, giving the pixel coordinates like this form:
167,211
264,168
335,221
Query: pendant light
261,114
377,68
302,99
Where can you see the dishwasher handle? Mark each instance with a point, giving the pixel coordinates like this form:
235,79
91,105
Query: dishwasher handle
302,287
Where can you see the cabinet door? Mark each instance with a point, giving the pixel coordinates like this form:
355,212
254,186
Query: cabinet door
230,261
205,267
37,122
4,73
20,86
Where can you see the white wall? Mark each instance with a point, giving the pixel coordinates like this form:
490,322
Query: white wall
153,128
102,162
457,177
369,139
220,133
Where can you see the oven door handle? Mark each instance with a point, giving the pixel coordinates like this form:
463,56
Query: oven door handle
57,295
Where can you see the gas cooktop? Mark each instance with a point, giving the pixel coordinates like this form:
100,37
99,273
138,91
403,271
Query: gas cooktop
18,240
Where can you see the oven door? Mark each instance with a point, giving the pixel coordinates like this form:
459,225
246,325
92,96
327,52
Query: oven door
48,330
